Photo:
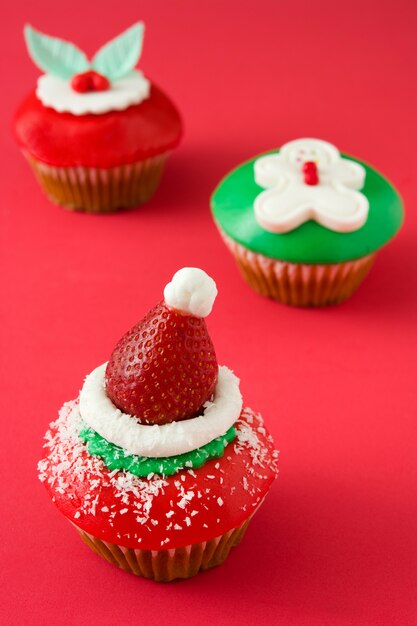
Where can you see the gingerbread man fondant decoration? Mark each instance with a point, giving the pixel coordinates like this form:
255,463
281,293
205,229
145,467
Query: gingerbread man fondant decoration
309,180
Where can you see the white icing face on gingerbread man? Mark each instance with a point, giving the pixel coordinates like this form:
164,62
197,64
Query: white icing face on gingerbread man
309,180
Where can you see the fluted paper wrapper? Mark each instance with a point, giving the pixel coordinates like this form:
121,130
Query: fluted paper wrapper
167,565
97,190
299,284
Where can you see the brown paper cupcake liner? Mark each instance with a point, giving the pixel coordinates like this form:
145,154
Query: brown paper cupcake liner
299,284
97,190
166,565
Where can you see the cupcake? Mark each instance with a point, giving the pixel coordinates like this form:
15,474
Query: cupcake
96,133
157,464
304,223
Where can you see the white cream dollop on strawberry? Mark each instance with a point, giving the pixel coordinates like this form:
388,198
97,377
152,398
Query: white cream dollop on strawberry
191,291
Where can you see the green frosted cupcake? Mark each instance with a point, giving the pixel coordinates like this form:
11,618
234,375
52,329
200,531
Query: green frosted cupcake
304,223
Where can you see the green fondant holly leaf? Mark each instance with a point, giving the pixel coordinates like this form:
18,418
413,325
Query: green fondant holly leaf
119,57
55,56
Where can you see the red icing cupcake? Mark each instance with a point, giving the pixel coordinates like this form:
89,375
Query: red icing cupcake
157,464
96,133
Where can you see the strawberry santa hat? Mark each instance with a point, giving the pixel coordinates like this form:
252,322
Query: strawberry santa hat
169,487
164,369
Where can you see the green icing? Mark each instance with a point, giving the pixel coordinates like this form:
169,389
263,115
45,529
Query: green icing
115,458
63,59
232,206
119,57
55,56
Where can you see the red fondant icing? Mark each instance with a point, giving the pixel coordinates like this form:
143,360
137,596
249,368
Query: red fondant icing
107,140
193,506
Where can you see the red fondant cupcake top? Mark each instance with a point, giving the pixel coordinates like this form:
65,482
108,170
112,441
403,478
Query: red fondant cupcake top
158,512
101,112
107,140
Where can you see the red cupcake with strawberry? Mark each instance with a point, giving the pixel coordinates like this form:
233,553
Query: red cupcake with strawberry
96,132
157,464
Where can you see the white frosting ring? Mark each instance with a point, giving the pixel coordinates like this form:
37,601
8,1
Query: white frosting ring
58,94
99,412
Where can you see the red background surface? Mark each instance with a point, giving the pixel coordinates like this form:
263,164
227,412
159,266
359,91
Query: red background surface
335,543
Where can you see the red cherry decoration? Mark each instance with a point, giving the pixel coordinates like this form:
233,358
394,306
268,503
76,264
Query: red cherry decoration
81,82
310,173
99,82
89,81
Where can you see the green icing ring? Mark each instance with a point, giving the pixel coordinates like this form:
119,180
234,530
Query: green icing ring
232,206
115,458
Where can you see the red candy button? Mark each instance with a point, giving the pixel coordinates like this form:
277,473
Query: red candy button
311,175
